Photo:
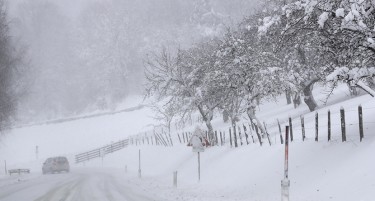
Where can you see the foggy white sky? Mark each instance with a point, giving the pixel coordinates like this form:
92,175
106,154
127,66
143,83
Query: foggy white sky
86,55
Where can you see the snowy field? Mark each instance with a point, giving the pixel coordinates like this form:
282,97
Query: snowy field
318,171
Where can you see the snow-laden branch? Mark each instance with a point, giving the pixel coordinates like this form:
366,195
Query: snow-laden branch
349,75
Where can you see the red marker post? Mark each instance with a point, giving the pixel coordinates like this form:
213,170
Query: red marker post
285,183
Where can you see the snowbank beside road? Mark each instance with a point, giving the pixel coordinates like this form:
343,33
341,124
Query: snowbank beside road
335,170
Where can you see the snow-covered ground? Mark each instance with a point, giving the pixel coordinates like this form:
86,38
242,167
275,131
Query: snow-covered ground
317,170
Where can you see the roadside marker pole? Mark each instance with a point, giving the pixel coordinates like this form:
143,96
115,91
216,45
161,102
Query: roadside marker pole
285,183
175,179
139,168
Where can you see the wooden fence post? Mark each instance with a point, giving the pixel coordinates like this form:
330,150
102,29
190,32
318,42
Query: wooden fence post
268,135
360,117
179,139
316,126
281,135
303,127
329,125
224,137
251,133
156,139
230,137
291,129
246,135
175,179
343,129
170,137
221,139
259,138
235,136
216,139
239,134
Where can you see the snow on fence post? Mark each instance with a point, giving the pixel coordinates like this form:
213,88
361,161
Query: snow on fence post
291,129
360,117
285,183
281,136
303,127
329,125
268,135
230,138
316,126
246,135
259,138
343,129
239,134
235,136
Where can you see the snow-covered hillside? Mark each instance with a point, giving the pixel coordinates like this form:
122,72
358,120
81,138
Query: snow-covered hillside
335,170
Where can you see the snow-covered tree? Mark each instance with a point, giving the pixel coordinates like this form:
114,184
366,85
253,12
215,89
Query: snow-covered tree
187,79
251,75
10,78
299,39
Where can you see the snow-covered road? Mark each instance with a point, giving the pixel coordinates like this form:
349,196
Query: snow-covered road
82,185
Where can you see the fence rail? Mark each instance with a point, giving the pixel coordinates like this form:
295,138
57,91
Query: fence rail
102,151
248,133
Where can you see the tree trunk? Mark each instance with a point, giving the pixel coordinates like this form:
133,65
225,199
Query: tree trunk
207,117
296,100
309,98
210,131
371,82
353,90
225,116
254,120
288,97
